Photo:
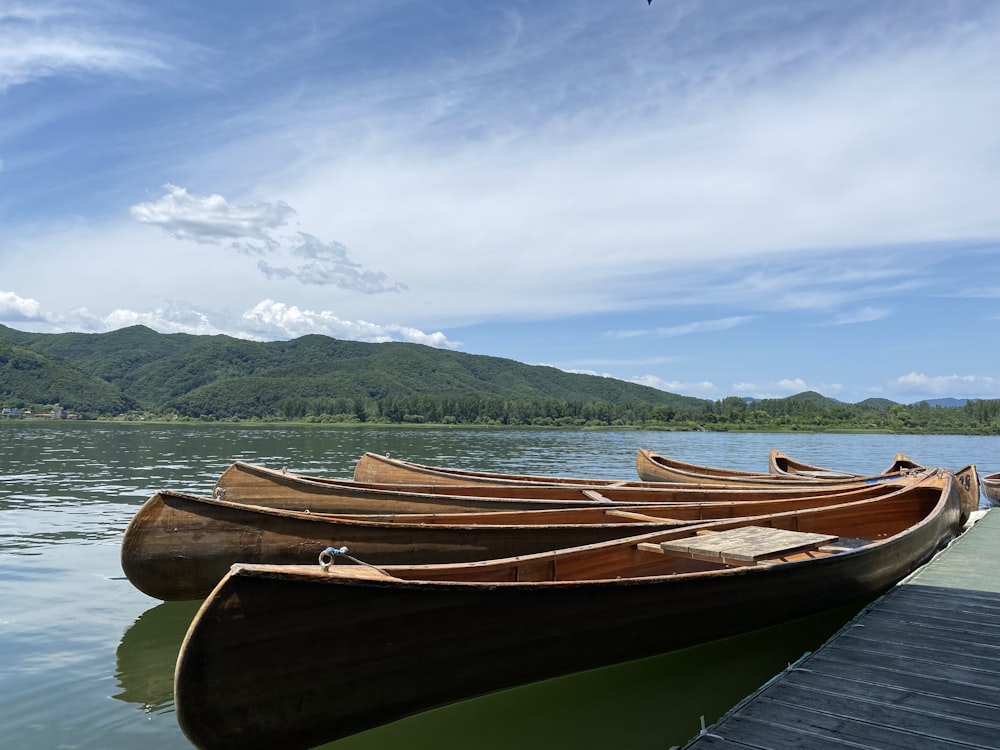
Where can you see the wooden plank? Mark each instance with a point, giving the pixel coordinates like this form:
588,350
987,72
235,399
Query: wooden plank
898,670
929,719
920,668
982,710
893,633
747,543
826,727
788,730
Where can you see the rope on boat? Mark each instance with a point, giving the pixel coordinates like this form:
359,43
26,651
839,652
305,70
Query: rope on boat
329,556
220,493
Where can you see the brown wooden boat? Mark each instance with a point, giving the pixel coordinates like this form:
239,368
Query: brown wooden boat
991,488
781,464
253,484
179,545
294,656
372,467
653,467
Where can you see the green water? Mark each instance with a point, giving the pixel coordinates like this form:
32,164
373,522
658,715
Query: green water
86,661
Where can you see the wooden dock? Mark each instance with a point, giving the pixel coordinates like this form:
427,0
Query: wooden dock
919,668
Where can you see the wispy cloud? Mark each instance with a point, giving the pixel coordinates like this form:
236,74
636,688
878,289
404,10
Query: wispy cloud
260,229
42,40
327,263
864,315
699,326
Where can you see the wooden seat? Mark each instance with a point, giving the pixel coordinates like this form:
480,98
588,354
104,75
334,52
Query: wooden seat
743,546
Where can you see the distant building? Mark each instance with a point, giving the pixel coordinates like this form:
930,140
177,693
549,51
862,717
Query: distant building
11,411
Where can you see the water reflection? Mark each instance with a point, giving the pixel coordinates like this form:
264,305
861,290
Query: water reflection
655,702
144,661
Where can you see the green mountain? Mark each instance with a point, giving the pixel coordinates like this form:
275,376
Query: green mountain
811,397
225,377
29,377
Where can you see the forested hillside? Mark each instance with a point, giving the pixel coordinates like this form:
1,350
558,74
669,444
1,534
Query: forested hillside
139,373
220,377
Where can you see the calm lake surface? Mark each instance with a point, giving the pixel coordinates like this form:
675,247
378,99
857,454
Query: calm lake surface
86,660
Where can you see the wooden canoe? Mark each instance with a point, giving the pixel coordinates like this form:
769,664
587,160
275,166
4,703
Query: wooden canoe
253,484
991,488
372,467
375,468
781,464
653,467
179,545
294,656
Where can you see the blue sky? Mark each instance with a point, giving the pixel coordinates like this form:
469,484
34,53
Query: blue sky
714,198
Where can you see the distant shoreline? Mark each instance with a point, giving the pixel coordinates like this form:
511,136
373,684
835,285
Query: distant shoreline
718,428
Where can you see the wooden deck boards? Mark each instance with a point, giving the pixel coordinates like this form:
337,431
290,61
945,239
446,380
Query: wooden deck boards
919,668
746,544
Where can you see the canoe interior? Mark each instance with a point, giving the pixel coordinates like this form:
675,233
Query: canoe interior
858,523
780,463
247,483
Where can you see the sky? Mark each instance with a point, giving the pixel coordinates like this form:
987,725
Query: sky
718,198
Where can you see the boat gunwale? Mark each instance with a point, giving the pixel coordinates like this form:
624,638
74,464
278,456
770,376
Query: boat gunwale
946,491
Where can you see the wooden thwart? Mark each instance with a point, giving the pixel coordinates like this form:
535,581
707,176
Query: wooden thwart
743,545
642,517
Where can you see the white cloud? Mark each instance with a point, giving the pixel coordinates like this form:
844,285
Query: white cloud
270,319
784,388
212,219
14,308
703,389
919,385
595,373
165,320
267,320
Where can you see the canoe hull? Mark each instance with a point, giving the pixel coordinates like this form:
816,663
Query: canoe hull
342,654
179,546
991,488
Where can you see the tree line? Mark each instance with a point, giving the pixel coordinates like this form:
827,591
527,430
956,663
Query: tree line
790,414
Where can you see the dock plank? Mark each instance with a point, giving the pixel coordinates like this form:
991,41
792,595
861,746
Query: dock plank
919,668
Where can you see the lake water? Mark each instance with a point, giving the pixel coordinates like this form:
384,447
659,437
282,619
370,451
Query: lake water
86,660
